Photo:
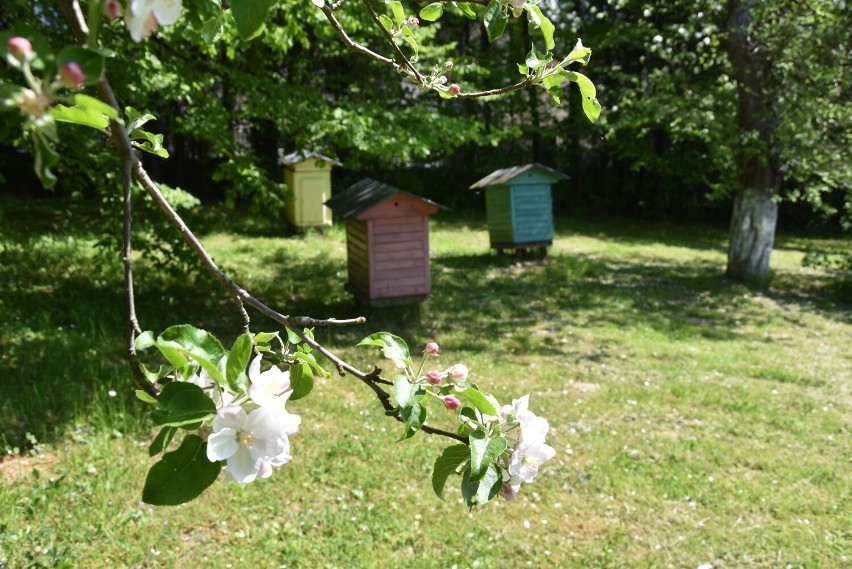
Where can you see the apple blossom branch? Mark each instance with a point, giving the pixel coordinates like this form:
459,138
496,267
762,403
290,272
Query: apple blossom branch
133,166
407,67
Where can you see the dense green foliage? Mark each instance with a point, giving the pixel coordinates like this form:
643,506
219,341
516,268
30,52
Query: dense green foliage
663,146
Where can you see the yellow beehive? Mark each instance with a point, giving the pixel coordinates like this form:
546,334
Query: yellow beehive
308,179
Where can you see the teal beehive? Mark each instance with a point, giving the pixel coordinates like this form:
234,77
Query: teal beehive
519,206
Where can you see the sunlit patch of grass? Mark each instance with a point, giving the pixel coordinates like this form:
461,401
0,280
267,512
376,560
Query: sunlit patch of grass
696,421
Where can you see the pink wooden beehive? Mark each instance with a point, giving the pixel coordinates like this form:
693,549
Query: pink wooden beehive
387,242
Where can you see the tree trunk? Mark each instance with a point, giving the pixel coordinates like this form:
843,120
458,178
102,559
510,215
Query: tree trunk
755,213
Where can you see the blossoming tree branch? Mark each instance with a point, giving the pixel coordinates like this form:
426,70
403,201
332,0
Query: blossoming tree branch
223,412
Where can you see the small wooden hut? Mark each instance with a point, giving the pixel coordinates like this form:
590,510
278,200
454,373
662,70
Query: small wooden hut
387,242
308,179
519,206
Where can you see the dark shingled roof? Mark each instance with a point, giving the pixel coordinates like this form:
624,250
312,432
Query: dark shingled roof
365,195
300,156
503,175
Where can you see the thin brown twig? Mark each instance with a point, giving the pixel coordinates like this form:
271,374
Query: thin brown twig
418,78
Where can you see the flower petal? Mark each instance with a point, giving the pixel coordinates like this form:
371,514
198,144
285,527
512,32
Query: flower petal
222,445
167,11
242,466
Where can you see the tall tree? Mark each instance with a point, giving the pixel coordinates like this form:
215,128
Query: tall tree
755,214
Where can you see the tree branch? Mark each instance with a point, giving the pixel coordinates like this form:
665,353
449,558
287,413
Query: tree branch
418,78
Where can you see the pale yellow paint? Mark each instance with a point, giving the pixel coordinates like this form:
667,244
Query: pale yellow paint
309,186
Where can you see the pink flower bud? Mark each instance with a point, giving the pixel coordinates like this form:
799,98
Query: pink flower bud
414,21
452,402
448,65
458,372
32,104
434,377
518,3
455,89
431,349
508,492
71,74
20,48
112,10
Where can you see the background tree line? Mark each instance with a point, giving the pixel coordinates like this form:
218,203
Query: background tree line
676,139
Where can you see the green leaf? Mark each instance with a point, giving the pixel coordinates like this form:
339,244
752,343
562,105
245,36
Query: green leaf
9,95
393,347
91,62
386,22
238,358
144,340
432,12
199,344
465,9
142,395
450,459
250,16
301,381
478,400
591,106
579,54
161,442
411,39
413,416
538,21
523,69
212,29
267,337
481,491
292,337
149,142
137,119
535,59
311,361
182,404
97,105
398,12
181,475
483,451
46,157
495,20
403,390
81,116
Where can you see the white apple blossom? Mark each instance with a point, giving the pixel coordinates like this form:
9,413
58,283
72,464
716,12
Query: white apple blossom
267,387
144,16
525,461
251,443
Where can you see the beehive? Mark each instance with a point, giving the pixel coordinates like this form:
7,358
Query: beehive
308,179
519,206
387,242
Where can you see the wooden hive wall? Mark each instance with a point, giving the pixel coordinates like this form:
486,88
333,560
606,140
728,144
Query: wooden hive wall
498,208
358,255
532,208
399,257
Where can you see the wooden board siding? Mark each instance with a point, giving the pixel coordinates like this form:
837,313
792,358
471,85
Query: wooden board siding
533,213
358,255
499,214
399,256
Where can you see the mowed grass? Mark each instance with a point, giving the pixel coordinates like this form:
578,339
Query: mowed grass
695,421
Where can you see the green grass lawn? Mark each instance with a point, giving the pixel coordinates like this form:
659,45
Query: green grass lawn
696,422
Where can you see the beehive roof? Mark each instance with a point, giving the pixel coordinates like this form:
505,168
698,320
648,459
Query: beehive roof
504,175
366,194
301,156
